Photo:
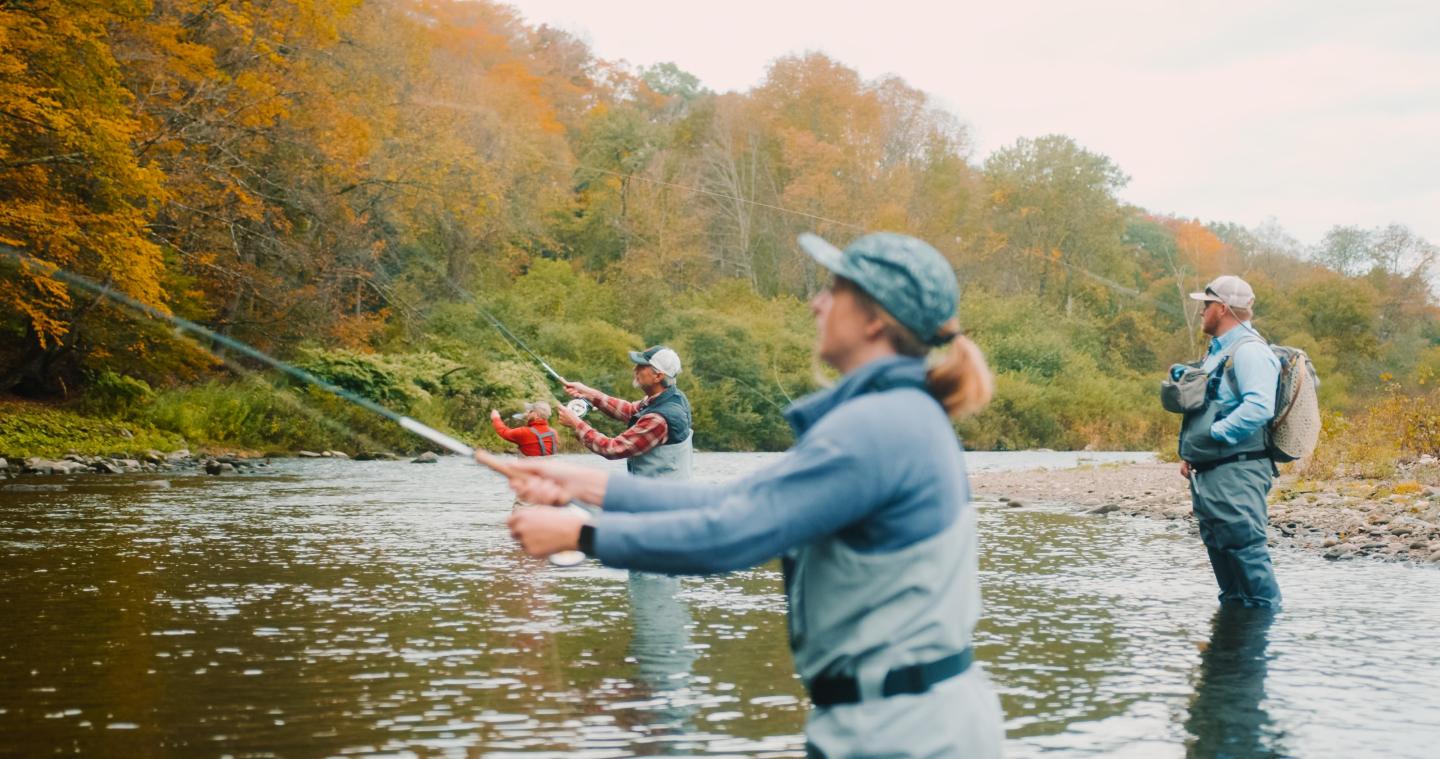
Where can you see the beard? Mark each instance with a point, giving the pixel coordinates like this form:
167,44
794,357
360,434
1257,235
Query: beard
636,382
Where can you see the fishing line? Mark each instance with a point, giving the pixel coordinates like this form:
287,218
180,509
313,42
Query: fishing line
564,558
580,406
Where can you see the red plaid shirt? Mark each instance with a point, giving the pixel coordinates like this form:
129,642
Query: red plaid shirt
645,435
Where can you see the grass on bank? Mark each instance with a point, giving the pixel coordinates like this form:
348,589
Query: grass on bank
35,429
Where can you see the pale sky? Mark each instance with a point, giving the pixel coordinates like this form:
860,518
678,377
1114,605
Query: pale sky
1314,113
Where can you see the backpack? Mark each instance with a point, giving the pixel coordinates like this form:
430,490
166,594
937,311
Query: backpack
1295,429
1293,432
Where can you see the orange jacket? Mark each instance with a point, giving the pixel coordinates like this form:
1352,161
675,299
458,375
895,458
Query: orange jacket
534,439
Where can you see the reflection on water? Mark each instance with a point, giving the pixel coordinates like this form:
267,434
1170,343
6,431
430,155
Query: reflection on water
660,647
1227,715
379,607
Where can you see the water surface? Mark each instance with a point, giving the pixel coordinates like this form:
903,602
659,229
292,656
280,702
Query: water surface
331,607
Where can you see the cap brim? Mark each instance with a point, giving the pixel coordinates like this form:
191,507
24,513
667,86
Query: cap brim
639,358
824,253
1205,296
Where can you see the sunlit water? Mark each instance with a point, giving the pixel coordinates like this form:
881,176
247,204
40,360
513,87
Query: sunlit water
329,607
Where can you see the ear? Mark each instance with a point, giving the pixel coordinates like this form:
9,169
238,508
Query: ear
874,328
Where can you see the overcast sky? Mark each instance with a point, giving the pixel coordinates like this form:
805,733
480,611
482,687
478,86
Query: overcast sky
1314,113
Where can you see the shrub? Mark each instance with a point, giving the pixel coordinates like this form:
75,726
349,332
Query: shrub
1370,442
110,394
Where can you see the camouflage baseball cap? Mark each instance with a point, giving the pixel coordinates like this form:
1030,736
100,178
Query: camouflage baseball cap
906,276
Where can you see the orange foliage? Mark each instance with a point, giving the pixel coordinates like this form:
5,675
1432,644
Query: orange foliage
1206,255
72,192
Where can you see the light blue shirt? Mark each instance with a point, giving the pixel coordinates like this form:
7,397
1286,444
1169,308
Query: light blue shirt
1257,372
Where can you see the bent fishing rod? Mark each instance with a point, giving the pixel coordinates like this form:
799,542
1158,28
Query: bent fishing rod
407,423
183,324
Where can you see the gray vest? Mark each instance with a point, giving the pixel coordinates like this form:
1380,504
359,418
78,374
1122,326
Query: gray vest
863,614
672,458
1196,444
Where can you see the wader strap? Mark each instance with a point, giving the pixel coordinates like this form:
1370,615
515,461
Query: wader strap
1208,465
540,438
915,678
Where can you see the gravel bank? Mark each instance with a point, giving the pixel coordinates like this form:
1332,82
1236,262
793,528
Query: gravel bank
1394,520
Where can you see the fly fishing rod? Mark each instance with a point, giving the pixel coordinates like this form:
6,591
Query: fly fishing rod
409,424
579,406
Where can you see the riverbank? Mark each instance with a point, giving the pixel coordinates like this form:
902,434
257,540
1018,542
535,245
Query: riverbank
41,438
1394,519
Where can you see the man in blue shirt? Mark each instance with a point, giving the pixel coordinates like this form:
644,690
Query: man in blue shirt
1223,446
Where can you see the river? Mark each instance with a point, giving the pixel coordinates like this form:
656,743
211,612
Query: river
327,607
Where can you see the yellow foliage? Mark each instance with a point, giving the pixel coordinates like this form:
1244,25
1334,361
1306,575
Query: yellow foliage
1396,426
72,191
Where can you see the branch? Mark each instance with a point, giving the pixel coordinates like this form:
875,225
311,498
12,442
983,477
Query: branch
62,158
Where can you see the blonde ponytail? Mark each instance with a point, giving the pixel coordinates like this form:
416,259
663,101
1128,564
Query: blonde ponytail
961,380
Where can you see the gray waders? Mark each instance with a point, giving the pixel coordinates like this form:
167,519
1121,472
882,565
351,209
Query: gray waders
1228,486
659,615
888,634
1229,502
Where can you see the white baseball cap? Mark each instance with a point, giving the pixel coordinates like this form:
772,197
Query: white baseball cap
1229,290
662,359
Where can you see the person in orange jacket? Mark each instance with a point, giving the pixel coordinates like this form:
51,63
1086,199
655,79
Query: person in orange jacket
535,438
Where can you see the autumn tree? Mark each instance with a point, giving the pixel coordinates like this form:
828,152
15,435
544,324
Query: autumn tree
1053,204
73,193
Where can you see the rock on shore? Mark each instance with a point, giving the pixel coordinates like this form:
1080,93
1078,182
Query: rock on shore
1395,520
150,461
180,460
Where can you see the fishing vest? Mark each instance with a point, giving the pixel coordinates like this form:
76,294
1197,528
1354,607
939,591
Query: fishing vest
862,614
672,458
1197,446
541,437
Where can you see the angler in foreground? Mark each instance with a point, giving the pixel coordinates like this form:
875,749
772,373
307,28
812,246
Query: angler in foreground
873,521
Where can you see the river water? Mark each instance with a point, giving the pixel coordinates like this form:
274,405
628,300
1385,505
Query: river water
347,608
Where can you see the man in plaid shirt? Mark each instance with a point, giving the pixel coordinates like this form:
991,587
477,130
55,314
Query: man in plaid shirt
657,442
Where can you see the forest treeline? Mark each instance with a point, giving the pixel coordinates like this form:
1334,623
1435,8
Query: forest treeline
353,184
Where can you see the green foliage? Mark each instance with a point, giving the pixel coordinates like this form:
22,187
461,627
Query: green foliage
30,429
748,357
397,381
110,393
1064,383
255,415
1082,409
1053,203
